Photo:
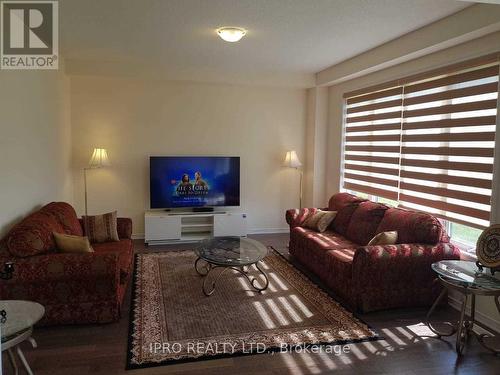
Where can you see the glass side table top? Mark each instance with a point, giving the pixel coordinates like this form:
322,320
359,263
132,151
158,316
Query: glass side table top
21,315
466,273
231,251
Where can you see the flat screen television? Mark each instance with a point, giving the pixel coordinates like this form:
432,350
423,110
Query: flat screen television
194,181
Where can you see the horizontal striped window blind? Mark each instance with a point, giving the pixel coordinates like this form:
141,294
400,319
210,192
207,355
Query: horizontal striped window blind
427,143
372,143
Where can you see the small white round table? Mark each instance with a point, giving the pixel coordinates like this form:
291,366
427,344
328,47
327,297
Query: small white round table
18,327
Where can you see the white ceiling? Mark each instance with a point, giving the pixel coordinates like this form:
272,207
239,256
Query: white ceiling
287,40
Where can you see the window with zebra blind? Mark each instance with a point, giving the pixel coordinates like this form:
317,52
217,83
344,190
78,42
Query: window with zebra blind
427,142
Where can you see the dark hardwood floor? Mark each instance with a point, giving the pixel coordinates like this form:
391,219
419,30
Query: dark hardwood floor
407,348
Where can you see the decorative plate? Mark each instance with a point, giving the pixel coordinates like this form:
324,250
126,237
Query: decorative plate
488,247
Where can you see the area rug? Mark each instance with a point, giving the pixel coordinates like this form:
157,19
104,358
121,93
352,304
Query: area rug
173,321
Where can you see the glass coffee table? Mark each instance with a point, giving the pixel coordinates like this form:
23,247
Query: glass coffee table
230,253
467,279
17,326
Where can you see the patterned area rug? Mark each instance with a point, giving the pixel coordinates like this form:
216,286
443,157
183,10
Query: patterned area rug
172,320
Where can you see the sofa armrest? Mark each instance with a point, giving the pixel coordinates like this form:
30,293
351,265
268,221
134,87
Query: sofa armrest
390,268
295,217
102,266
123,227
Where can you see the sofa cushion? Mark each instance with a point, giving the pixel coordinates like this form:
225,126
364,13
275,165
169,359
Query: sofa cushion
328,240
65,214
413,227
343,218
33,235
365,221
341,200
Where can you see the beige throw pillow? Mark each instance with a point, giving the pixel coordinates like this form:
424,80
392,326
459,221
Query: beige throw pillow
384,238
320,220
101,228
67,243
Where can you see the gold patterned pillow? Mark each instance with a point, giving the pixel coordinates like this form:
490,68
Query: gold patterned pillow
384,238
320,220
101,228
67,243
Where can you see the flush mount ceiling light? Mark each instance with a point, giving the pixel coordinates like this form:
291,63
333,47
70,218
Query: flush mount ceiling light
231,34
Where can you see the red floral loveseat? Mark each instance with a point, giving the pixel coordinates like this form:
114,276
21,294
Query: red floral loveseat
372,278
73,288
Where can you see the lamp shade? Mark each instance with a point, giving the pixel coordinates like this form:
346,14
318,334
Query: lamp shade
99,158
292,160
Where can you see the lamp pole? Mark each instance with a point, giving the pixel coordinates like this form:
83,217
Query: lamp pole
85,183
300,192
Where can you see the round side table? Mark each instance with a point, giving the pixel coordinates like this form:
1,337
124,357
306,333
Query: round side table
467,279
18,327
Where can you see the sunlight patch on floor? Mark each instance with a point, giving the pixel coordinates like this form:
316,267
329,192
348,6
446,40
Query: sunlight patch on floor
422,330
264,315
303,308
244,285
289,309
277,281
277,312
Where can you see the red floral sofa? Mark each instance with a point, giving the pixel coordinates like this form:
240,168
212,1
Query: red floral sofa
370,278
73,288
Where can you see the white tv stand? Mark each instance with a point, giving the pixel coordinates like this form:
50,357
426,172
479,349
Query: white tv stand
167,227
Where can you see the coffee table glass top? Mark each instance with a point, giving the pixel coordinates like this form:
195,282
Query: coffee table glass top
231,251
21,315
466,273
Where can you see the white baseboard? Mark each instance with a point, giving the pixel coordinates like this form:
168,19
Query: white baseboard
268,230
482,318
138,236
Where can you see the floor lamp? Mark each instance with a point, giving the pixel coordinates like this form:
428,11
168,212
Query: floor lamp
99,159
292,161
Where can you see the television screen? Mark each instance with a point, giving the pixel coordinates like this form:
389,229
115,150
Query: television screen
194,181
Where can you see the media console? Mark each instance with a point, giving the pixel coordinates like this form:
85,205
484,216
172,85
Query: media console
175,227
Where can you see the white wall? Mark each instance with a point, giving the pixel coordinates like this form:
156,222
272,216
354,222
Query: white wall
478,47
134,119
35,142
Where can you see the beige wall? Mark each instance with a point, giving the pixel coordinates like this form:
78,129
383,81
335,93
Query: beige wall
34,142
482,46
316,143
134,119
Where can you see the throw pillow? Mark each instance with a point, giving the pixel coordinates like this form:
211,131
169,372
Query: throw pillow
67,243
384,238
320,220
101,228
